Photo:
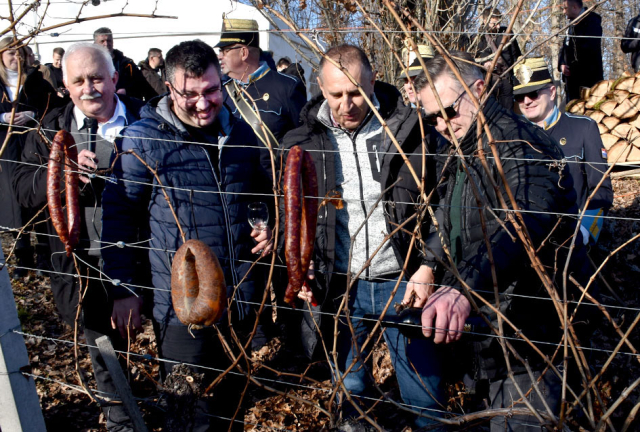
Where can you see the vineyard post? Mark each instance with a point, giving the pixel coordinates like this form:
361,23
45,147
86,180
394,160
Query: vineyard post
19,404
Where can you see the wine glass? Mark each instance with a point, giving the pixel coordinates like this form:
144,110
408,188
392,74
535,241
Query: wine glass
258,216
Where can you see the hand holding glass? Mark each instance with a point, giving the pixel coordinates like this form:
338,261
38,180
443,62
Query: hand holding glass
258,216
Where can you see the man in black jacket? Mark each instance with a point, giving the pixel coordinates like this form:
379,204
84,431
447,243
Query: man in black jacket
580,59
131,81
630,43
577,135
356,160
539,187
153,70
490,37
94,118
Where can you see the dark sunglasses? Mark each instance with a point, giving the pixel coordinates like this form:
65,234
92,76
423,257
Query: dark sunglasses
451,111
531,95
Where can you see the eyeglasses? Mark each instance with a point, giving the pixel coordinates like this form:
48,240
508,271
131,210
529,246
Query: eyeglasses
224,51
451,111
193,97
531,95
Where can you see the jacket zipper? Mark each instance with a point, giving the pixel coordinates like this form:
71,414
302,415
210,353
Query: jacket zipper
226,217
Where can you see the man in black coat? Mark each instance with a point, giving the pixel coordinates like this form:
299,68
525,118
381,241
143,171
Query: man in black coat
630,43
357,162
578,137
94,118
279,98
153,70
131,81
580,59
490,37
539,187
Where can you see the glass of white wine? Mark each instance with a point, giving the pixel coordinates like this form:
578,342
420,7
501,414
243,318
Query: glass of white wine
258,216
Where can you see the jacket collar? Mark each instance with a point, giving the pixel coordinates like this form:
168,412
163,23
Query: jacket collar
492,112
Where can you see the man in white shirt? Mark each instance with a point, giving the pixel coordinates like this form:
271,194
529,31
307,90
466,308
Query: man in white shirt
95,117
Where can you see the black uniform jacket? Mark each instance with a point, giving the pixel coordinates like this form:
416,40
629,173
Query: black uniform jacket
580,141
279,99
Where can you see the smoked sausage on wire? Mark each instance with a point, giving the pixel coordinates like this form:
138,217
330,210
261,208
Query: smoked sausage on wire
64,154
301,216
198,289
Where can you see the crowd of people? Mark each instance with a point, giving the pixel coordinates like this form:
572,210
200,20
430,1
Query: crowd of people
182,139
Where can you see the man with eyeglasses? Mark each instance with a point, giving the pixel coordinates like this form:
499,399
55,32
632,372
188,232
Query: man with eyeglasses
578,136
278,97
208,163
472,220
357,162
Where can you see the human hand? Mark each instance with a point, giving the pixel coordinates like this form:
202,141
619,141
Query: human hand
20,118
565,70
419,288
121,91
263,238
87,162
305,292
126,312
450,308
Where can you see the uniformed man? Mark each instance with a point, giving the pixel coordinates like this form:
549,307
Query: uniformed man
413,70
279,98
578,136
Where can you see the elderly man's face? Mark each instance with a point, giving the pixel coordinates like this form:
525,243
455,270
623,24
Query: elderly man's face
90,86
348,106
451,95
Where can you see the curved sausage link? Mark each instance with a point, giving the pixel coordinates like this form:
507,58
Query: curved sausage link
72,189
198,288
54,201
301,215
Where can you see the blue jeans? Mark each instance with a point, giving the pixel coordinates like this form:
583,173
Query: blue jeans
417,362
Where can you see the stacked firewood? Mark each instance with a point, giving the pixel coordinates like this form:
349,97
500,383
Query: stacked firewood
615,106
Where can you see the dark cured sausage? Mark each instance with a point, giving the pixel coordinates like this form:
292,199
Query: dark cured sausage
64,154
198,289
301,217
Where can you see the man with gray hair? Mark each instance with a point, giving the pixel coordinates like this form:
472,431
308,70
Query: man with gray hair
95,116
529,178
355,157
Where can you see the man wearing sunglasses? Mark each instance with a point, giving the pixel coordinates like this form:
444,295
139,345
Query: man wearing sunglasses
578,136
471,220
278,97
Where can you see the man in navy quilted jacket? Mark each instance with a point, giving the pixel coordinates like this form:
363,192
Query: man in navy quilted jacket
209,166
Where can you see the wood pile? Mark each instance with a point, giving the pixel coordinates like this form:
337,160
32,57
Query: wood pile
615,106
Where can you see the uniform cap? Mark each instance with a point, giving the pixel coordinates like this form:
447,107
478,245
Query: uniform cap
531,75
239,31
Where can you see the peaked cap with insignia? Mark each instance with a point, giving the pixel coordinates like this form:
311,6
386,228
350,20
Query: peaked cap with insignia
414,69
239,31
531,75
